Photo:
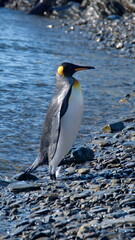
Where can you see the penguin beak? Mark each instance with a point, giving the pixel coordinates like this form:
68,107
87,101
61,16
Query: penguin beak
83,68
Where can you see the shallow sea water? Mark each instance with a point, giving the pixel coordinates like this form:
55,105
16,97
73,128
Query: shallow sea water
30,52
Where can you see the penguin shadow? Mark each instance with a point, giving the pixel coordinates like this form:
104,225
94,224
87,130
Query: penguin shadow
68,178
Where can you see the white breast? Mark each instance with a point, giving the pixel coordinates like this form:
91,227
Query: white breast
70,124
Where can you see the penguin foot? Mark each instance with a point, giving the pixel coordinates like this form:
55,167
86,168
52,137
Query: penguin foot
53,176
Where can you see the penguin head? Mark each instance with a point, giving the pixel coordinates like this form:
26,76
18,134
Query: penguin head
67,69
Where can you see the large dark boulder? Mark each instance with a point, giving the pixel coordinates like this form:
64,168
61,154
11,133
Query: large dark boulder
3,2
42,7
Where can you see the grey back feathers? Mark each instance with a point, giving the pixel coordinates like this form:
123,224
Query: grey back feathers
56,110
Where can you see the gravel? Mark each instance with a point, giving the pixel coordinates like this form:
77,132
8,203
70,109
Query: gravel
92,199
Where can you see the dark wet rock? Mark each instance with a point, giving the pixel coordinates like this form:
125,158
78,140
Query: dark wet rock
3,2
106,8
21,223
79,155
130,164
111,163
42,235
119,213
53,197
98,209
128,202
132,175
40,212
67,11
16,204
114,127
22,5
129,119
42,7
25,176
83,154
106,174
4,183
130,128
22,187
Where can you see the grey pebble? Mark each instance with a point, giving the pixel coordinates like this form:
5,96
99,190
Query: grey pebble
19,230
22,187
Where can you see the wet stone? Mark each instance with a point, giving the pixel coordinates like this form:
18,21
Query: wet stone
25,177
70,170
111,163
83,171
44,233
119,45
114,127
80,195
83,229
130,145
83,154
40,212
52,197
22,187
128,202
19,230
21,223
98,209
125,220
102,143
132,175
130,128
4,183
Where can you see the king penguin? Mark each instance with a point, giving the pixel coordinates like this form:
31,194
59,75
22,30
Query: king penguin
63,119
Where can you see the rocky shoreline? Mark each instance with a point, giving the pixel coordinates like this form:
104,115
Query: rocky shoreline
111,24
91,200
94,196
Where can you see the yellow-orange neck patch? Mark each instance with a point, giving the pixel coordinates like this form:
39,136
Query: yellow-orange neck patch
60,70
76,84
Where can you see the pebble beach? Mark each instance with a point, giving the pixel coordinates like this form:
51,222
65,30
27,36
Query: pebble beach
93,197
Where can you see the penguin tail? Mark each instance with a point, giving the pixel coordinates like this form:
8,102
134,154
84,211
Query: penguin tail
34,165
38,162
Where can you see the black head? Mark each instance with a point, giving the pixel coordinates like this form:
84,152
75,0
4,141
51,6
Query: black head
68,69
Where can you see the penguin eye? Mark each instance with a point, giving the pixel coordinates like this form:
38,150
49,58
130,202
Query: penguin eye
61,70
